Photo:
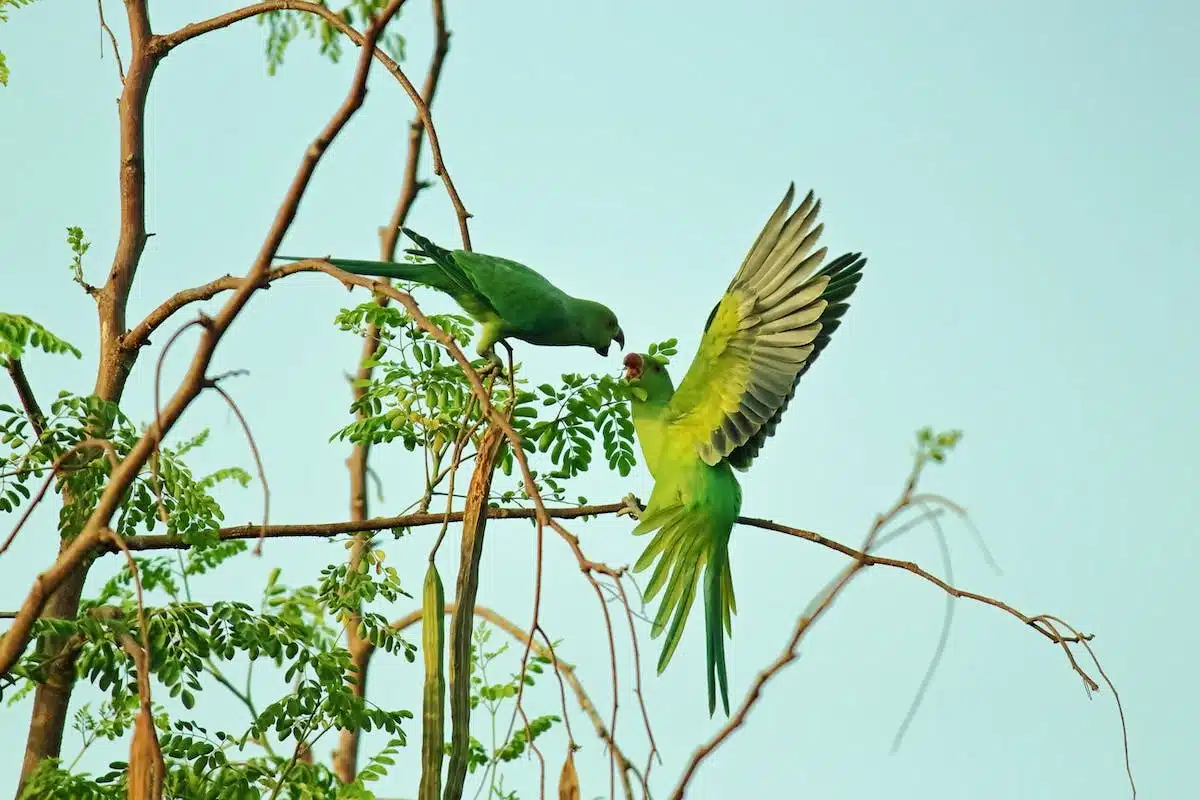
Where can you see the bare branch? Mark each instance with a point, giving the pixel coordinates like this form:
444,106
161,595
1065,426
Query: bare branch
258,464
188,32
111,38
319,530
817,608
140,335
25,392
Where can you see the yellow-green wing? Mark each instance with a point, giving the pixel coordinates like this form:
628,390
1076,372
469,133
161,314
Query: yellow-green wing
758,338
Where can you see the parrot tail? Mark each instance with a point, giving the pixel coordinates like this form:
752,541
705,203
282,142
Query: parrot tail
424,274
443,260
688,540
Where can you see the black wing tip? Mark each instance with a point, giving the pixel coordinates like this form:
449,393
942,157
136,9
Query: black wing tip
845,263
428,248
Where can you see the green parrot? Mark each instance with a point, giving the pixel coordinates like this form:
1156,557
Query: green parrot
767,330
506,298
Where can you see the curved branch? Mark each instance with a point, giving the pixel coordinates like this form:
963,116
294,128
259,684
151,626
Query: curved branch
140,335
188,32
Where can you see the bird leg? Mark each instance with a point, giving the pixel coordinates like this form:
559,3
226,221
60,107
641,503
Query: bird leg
493,365
632,507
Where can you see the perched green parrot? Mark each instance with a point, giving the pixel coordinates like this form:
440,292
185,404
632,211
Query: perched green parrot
506,298
767,330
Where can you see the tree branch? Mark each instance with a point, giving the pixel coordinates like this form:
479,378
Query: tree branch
75,553
59,598
140,335
821,604
188,32
112,39
171,542
25,392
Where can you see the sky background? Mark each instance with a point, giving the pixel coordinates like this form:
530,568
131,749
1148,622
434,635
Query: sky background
1023,179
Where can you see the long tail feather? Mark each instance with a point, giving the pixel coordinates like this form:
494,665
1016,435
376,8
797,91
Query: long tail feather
396,270
686,542
717,611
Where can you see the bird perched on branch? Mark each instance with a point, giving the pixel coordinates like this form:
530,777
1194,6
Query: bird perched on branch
509,300
764,334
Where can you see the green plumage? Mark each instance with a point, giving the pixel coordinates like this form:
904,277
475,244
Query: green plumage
507,299
775,318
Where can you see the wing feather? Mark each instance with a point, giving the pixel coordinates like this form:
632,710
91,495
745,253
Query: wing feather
845,272
769,326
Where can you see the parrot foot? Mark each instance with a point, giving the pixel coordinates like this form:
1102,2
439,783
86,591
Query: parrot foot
492,367
632,507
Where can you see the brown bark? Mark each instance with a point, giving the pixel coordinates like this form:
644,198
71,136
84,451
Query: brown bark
56,590
53,698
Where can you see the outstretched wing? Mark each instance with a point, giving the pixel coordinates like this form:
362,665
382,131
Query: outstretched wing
844,273
758,339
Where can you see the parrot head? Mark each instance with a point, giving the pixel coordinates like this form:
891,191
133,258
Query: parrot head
599,327
650,375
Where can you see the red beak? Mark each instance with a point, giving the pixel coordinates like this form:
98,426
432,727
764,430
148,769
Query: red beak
633,366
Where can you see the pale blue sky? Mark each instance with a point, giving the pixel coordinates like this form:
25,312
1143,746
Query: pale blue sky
1023,179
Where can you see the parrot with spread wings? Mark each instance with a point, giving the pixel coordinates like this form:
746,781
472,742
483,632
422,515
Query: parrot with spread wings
506,298
775,318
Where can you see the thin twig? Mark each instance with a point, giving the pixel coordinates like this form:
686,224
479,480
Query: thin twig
195,29
566,670
817,609
140,335
156,454
258,464
1116,696
939,650
116,51
330,529
637,691
41,493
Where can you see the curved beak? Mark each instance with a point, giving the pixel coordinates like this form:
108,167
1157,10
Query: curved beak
620,338
633,366
602,350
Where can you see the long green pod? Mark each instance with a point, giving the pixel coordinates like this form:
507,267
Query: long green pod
433,642
491,445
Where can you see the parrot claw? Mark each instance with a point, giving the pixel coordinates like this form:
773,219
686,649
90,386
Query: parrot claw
492,367
632,507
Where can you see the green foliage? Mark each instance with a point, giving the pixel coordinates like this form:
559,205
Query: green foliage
419,397
662,351
18,332
936,446
79,247
49,780
496,700
166,490
283,27
5,5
